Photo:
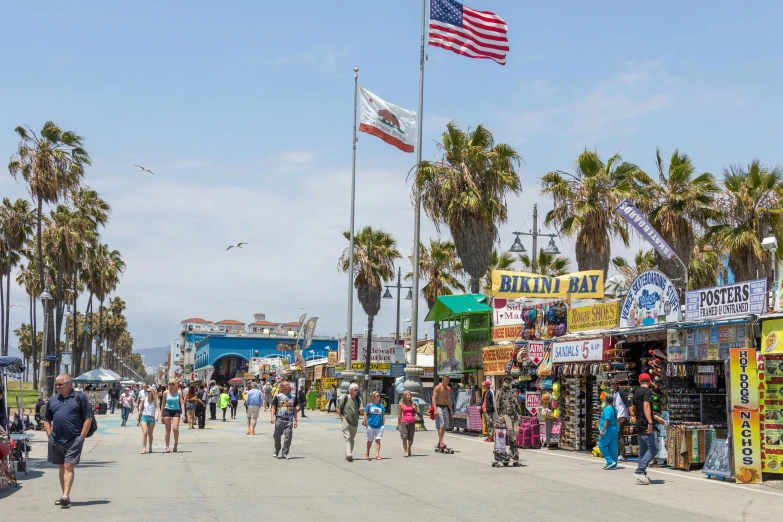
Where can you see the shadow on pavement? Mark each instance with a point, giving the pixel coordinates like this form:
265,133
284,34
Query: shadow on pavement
90,503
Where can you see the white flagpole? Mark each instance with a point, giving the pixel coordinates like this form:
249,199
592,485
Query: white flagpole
349,327
417,211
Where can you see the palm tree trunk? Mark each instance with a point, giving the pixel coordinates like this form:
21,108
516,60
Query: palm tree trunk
75,350
435,376
7,308
34,341
88,338
474,285
3,307
100,334
49,369
367,351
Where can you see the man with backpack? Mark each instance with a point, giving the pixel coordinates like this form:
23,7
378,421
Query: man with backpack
68,422
114,397
349,408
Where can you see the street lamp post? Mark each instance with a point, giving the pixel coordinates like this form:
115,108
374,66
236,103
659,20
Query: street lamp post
519,248
48,357
387,295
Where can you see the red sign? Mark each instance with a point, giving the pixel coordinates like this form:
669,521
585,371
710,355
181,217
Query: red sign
535,352
532,401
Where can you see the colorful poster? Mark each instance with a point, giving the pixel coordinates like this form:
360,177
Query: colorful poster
495,359
697,336
713,351
449,345
595,317
772,337
714,335
771,412
744,380
583,285
652,299
747,445
723,333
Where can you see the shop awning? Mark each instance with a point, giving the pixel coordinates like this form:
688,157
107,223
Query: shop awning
452,306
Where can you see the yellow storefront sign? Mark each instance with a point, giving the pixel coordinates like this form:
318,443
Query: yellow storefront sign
595,317
585,284
744,382
329,382
747,446
373,366
495,358
506,333
772,337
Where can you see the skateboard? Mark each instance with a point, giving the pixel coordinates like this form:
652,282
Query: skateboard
502,458
444,449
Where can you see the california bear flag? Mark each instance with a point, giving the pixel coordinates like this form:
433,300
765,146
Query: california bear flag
394,125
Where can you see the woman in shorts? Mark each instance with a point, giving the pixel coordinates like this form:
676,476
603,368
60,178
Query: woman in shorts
148,414
374,417
191,401
406,422
173,406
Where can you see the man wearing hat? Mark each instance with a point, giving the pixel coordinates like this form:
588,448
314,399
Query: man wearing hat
488,409
621,405
643,409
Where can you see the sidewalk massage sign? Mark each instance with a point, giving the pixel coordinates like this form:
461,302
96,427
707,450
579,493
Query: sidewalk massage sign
743,298
587,284
652,299
507,311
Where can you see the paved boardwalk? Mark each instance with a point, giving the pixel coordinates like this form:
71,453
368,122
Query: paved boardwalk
223,474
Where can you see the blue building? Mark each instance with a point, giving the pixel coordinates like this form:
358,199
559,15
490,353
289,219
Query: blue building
229,356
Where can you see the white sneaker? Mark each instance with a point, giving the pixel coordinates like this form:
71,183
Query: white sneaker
621,459
642,479
274,455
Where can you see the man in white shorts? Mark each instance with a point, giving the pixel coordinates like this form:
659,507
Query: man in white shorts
254,401
374,418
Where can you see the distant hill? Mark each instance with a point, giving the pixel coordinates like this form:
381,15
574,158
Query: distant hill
154,356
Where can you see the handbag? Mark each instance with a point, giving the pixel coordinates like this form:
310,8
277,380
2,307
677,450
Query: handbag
545,368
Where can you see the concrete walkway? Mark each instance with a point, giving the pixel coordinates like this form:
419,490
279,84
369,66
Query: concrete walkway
221,473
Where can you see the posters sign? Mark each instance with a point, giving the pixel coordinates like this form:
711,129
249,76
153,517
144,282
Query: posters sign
652,299
449,346
495,358
772,337
595,317
535,352
532,401
725,301
771,412
582,350
587,284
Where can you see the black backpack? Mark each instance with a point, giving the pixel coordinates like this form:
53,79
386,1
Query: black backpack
94,424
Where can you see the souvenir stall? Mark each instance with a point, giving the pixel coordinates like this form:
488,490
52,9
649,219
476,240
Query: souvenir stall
462,330
770,372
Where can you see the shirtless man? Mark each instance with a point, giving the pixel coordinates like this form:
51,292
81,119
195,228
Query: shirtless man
441,398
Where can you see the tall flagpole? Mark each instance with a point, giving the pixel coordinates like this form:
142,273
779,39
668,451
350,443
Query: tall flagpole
347,373
416,373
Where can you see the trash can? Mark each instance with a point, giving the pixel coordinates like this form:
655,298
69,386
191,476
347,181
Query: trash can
311,400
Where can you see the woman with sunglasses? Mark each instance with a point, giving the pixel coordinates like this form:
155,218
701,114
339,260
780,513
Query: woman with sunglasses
148,414
173,406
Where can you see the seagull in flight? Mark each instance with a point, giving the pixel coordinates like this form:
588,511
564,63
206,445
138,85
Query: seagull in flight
143,169
238,245
16,305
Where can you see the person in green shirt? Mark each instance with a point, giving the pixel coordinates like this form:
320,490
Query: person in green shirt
223,401
349,407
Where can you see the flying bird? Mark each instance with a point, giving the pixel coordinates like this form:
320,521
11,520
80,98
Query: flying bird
143,169
16,305
238,245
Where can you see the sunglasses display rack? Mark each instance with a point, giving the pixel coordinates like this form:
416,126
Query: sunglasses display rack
595,412
574,413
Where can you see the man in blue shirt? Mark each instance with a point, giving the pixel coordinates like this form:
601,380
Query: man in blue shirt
253,401
67,422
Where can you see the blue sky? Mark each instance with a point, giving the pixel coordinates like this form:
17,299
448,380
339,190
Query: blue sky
244,113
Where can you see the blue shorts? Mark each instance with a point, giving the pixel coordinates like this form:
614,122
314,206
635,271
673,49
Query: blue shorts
148,419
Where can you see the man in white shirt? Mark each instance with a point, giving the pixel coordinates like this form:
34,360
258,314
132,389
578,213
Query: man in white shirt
621,405
214,393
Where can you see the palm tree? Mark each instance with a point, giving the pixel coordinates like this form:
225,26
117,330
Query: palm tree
643,260
706,264
16,226
24,342
751,208
546,264
27,278
102,275
374,254
52,165
466,191
499,261
440,267
584,204
680,203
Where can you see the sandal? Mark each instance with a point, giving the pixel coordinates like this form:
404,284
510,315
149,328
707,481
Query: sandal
367,456
168,450
378,457
175,449
65,502
143,452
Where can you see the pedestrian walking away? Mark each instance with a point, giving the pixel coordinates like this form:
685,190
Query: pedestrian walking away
67,423
126,403
234,396
441,399
253,404
173,408
223,401
348,409
406,422
267,396
301,399
114,397
190,406
148,414
283,416
621,406
374,419
332,399
607,441
488,409
214,393
202,397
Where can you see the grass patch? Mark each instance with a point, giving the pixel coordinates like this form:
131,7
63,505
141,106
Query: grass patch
29,396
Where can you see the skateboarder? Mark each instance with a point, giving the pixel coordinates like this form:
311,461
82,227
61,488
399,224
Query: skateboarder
509,414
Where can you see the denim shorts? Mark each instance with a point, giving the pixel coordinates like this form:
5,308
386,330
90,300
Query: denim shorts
148,419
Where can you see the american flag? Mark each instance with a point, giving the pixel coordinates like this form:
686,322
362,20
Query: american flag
465,31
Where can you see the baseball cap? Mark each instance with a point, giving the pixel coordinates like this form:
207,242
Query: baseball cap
486,383
645,377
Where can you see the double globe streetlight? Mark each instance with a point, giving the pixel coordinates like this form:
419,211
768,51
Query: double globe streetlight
518,248
387,295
